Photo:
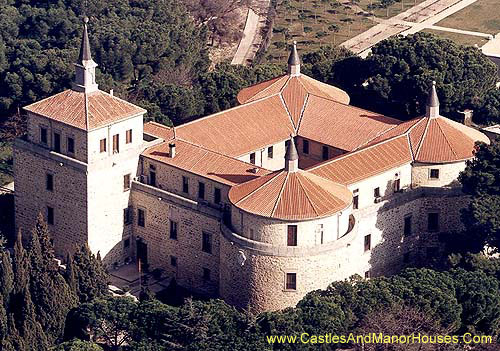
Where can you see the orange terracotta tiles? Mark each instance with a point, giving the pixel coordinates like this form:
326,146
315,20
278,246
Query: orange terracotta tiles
159,130
246,94
294,96
321,89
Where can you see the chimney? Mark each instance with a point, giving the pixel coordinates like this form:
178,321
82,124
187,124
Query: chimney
111,92
467,120
171,150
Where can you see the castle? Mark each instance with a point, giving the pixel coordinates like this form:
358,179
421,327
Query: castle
259,204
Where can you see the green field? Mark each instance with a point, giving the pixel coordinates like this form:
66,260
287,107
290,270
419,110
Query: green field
5,163
482,16
462,39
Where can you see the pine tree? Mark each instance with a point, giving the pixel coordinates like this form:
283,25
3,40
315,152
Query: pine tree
14,341
6,276
91,277
69,274
20,265
51,295
3,321
30,329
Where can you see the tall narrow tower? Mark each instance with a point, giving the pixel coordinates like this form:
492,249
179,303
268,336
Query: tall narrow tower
76,164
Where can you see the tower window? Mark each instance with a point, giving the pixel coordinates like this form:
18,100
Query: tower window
141,218
102,145
292,235
376,192
127,216
407,226
355,202
57,142
433,222
71,145
320,232
206,274
185,185
270,152
291,281
126,182
206,245
126,243
252,158
305,146
325,153
50,215
173,261
173,230
49,182
217,195
367,275
368,242
128,136
116,143
43,135
434,173
201,190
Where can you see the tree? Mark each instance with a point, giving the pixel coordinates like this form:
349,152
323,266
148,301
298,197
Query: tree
78,345
91,277
20,266
6,276
394,79
480,180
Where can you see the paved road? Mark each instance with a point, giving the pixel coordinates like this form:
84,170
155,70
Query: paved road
460,31
410,21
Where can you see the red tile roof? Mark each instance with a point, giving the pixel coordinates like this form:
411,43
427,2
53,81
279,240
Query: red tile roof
242,129
203,162
367,162
342,126
159,130
291,196
84,111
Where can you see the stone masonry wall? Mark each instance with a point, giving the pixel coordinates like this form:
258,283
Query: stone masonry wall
448,174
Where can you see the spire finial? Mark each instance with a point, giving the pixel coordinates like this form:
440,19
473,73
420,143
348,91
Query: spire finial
294,61
85,66
432,109
291,156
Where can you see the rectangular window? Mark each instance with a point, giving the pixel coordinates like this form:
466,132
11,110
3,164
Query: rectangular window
325,153
397,185
126,182
367,275
433,222
173,261
71,145
270,152
50,215
141,217
49,181
185,185
320,233
355,202
116,143
43,135
252,158
305,146
102,145
126,243
173,230
292,235
291,281
128,136
206,245
201,190
152,178
206,274
57,142
407,226
217,195
127,216
368,242
434,173
376,192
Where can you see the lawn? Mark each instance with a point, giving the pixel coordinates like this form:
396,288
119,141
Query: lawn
313,23
5,162
482,16
458,38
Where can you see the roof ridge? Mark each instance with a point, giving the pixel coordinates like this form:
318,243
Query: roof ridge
446,138
272,176
290,117
424,134
280,193
354,152
117,98
306,100
305,193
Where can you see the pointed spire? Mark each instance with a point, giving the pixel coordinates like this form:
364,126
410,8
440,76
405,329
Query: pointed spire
85,54
85,66
294,61
432,107
291,157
